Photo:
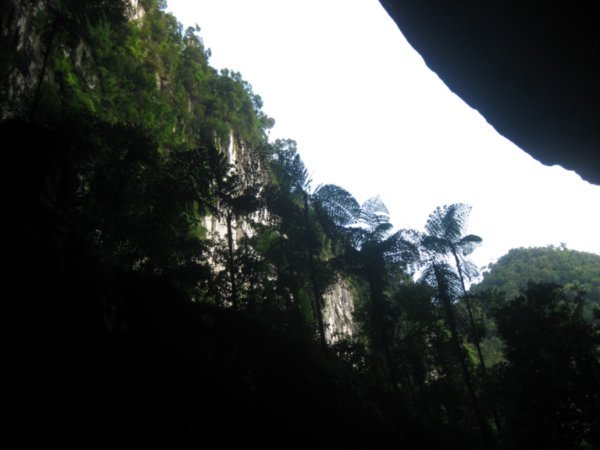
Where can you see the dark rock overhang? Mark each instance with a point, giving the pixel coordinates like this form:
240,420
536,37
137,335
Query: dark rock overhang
529,67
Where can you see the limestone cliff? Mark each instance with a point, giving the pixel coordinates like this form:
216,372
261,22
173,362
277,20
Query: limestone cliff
247,165
338,310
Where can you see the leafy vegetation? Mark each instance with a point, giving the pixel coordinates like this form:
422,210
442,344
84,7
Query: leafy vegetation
552,361
169,266
560,265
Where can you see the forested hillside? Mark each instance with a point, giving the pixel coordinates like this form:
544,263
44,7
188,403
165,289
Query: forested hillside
167,266
511,273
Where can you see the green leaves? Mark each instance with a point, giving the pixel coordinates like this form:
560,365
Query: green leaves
375,216
448,222
552,356
545,264
338,204
444,238
287,167
468,243
442,276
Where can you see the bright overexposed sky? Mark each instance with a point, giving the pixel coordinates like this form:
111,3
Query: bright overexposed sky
340,79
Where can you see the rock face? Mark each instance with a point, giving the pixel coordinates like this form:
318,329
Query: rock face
16,28
136,11
338,310
246,163
530,68
338,299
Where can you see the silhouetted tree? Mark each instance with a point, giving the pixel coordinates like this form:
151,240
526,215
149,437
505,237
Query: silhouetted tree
371,250
444,235
549,382
230,199
292,178
439,275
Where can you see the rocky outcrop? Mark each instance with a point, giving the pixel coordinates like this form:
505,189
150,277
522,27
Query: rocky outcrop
136,10
338,311
247,165
18,72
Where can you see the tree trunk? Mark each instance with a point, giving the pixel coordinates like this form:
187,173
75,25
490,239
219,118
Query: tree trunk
445,298
38,87
379,327
470,312
313,277
476,341
232,279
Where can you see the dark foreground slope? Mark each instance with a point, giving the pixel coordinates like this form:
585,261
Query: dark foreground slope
126,358
100,356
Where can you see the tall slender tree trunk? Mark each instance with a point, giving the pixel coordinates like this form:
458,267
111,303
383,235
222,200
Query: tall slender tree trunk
381,341
313,278
38,87
477,343
231,261
444,297
470,312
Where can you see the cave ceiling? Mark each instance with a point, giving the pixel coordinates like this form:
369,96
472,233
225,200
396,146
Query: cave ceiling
529,67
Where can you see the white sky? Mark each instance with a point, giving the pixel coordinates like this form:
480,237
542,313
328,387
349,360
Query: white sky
340,79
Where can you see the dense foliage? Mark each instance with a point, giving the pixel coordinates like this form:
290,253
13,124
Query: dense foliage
511,273
171,264
548,382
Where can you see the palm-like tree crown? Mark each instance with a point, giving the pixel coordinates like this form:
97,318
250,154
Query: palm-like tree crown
366,228
444,235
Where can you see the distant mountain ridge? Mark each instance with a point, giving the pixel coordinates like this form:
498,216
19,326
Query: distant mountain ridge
552,264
